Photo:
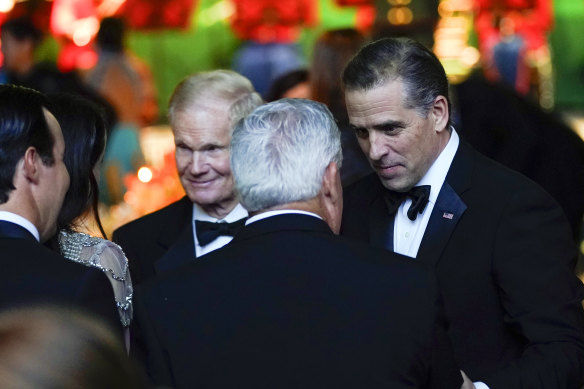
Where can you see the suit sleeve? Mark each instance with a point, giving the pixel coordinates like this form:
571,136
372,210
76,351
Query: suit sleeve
533,266
444,370
146,348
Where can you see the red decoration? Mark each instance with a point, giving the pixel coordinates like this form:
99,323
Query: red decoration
268,21
349,3
157,14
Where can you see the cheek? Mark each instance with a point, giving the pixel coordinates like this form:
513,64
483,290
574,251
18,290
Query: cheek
222,166
182,163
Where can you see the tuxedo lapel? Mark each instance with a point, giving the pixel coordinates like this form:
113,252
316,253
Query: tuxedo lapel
446,213
180,252
449,206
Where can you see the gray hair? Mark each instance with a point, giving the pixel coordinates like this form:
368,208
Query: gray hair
229,86
280,151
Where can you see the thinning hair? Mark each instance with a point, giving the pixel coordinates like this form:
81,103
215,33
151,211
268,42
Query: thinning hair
280,151
402,59
226,85
22,125
46,347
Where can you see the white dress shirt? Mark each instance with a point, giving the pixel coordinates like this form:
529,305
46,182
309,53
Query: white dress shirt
267,214
24,223
408,234
236,214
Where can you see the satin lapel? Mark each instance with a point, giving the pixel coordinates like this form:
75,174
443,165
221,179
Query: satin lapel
446,213
181,252
380,225
449,206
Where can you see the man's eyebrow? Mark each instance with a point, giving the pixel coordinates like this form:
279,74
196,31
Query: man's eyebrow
388,124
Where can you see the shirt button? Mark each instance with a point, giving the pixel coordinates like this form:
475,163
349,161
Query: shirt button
407,234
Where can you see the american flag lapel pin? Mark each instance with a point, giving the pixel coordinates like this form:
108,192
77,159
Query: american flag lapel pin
448,215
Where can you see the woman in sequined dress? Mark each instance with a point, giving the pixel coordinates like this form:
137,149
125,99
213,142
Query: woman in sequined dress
84,132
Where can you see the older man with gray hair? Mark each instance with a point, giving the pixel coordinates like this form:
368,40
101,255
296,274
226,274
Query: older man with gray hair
288,303
202,111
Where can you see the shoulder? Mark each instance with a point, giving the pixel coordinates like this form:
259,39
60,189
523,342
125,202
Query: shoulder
491,177
364,190
180,210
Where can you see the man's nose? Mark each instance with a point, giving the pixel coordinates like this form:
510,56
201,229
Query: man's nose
377,146
198,163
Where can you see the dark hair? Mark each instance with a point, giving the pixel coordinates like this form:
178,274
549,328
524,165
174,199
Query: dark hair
285,82
405,59
50,347
84,132
22,125
21,29
332,50
110,36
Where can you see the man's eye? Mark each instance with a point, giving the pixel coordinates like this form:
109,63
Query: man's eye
361,133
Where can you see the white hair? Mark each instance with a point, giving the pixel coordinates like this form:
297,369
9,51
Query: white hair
229,86
280,151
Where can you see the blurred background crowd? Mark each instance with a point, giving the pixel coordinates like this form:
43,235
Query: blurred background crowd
516,69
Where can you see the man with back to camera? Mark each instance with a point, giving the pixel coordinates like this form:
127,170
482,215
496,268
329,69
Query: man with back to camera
288,303
33,183
202,111
501,246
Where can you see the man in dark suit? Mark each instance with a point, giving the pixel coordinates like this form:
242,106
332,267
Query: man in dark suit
288,303
500,245
33,183
202,111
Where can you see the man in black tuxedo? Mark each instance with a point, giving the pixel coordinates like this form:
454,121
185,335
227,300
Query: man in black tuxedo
33,183
202,111
288,303
500,245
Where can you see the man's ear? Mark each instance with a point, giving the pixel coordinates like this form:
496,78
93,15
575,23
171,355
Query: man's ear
31,165
331,182
440,113
332,196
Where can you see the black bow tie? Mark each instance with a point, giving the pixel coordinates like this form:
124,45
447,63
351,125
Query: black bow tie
418,194
209,231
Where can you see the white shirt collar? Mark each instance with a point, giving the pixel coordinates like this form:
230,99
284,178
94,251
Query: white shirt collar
436,175
236,214
267,214
24,223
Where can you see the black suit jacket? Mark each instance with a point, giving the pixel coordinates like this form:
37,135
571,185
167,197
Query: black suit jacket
33,274
158,242
504,259
287,304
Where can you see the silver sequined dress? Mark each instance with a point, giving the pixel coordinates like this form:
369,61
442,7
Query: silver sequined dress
106,256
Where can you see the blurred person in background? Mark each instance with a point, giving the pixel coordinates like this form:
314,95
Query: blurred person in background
293,85
127,84
332,50
45,347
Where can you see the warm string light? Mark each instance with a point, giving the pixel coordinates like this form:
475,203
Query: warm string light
6,5
399,13
145,174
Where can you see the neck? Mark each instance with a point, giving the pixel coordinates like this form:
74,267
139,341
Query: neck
219,211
